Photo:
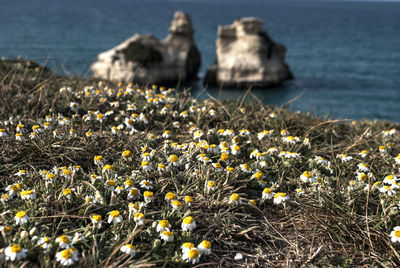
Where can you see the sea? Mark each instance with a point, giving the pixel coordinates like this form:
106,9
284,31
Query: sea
345,55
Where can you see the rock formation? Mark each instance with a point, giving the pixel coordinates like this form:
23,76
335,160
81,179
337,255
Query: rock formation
145,59
246,56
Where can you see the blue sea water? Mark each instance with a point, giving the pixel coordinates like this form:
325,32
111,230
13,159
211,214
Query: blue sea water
345,55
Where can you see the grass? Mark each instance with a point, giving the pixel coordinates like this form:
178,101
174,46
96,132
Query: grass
334,220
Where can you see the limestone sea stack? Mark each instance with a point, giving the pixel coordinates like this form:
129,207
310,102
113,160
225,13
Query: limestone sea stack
144,59
247,57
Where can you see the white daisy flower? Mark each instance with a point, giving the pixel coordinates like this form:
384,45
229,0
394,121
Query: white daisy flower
192,256
114,217
167,236
395,234
15,252
188,224
21,218
67,257
128,249
204,247
280,198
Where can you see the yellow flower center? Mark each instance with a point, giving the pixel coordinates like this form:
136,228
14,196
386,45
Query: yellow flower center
111,183
176,203
280,195
193,253
235,197
98,158
20,214
267,190
173,158
114,213
307,174
211,184
27,192
129,182
258,175
15,248
145,163
67,191
138,215
363,176
66,254
166,233
64,239
164,223
148,194
130,246
188,220
188,245
229,169
397,233
127,153
97,217
108,167
390,177
170,196
134,192
188,199
206,244
14,188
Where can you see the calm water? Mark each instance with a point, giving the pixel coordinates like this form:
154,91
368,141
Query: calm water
345,55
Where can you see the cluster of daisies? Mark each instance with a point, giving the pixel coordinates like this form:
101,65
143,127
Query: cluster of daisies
169,162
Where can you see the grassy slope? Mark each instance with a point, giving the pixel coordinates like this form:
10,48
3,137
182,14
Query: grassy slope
329,224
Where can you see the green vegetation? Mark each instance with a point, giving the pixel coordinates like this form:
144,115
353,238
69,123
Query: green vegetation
264,185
